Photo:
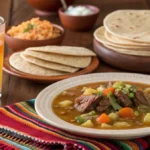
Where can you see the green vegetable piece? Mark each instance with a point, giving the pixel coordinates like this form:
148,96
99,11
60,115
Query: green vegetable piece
136,113
125,91
84,115
113,102
29,27
91,113
132,89
120,87
118,84
131,95
113,116
99,93
80,119
128,86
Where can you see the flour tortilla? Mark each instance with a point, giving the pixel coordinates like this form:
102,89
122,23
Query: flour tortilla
127,51
64,50
99,35
17,62
74,61
118,40
129,24
49,65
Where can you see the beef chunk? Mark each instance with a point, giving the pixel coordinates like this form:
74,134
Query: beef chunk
140,98
123,99
86,103
103,105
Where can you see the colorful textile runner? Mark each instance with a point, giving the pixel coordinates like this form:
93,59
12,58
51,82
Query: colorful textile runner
22,129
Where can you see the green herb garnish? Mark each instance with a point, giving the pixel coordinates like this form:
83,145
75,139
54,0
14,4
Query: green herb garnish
80,119
29,27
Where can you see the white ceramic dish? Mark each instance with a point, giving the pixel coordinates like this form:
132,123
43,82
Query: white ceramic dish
43,105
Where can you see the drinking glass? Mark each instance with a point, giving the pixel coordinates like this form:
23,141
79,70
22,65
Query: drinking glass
2,31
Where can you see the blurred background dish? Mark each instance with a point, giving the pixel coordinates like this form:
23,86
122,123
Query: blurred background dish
34,33
47,7
79,19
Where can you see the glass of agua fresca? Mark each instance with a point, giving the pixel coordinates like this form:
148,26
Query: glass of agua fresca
2,32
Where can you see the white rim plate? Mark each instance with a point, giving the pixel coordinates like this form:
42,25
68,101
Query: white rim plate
43,105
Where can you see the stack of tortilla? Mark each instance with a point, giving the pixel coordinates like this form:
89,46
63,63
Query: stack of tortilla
126,31
51,60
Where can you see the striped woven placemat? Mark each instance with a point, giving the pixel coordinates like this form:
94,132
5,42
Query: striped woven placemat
22,129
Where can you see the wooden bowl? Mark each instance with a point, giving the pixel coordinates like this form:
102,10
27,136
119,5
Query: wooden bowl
19,44
48,79
79,23
47,7
122,61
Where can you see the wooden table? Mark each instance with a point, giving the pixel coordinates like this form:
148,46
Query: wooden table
16,11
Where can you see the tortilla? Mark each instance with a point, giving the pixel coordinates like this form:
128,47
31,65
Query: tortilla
127,51
129,24
74,61
64,50
49,65
99,35
17,62
118,40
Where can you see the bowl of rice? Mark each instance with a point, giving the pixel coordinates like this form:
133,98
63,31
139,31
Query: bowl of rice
32,33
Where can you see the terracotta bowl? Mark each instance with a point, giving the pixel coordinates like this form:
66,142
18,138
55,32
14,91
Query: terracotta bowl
79,23
122,61
20,44
47,7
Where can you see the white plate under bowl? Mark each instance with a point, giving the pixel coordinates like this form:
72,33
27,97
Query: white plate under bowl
44,100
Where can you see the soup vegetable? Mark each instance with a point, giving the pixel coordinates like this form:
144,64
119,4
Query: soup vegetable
109,105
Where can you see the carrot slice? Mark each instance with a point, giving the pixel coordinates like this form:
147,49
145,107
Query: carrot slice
126,112
109,91
103,118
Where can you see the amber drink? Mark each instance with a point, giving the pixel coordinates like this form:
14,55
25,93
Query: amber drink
2,31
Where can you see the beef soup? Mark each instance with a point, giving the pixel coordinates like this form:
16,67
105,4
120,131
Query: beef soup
112,105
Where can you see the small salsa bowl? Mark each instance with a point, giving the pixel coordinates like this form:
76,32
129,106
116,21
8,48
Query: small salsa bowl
17,44
79,23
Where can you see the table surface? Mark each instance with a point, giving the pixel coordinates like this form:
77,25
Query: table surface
16,11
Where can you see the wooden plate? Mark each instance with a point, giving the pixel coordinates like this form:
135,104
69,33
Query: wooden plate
48,79
123,61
